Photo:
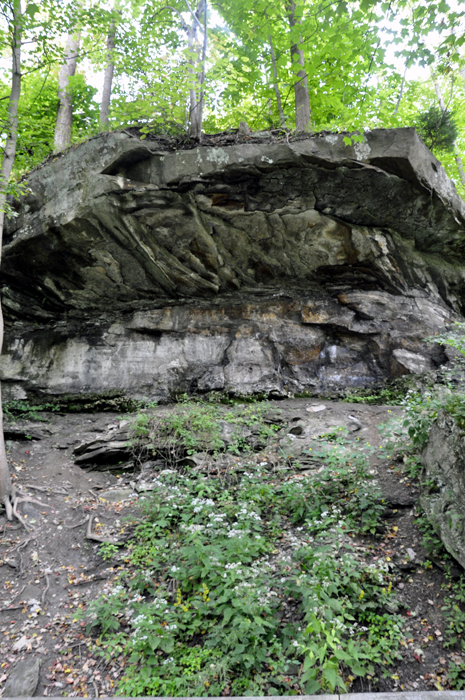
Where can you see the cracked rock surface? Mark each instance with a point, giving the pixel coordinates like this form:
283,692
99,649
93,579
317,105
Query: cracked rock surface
269,267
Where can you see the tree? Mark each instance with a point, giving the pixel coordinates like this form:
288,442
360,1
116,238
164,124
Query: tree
302,98
29,27
109,69
7,493
447,119
197,58
282,118
64,120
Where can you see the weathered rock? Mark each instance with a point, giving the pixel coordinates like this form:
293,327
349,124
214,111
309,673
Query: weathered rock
316,408
23,678
272,268
117,495
102,452
25,431
405,362
443,484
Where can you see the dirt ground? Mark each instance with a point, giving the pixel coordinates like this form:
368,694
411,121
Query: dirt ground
50,571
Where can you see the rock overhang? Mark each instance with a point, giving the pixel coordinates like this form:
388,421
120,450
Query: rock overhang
250,267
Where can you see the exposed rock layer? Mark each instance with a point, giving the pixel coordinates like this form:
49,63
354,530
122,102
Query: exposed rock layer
260,267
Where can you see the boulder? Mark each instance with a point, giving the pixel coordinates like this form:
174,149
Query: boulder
23,678
405,362
273,266
443,484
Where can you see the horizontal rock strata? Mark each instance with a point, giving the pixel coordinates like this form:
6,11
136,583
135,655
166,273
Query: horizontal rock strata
259,267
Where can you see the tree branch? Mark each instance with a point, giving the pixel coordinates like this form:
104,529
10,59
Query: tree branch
194,16
173,9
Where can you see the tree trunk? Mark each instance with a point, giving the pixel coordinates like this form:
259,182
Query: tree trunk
108,78
196,91
9,153
282,118
302,97
109,70
65,108
401,91
457,156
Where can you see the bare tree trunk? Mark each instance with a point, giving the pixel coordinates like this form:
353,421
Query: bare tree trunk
302,97
401,91
196,91
457,156
282,118
109,70
9,154
108,77
65,108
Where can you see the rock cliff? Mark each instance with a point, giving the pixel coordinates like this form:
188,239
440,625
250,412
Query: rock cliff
443,484
266,266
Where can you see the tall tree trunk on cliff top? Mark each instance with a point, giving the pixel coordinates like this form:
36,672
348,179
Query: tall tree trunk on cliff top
282,118
109,70
65,108
197,68
108,78
9,153
302,97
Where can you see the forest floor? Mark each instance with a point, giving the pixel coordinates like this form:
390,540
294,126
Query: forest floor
54,570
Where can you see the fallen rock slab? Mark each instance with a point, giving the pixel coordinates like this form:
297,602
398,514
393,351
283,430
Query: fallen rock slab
23,678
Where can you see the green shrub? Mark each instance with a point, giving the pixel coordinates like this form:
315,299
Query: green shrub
203,604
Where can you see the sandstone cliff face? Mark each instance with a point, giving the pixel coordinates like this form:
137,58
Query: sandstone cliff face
257,267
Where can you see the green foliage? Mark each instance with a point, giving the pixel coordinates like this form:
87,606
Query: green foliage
201,604
192,427
454,613
421,411
37,112
352,87
23,410
454,338
437,129
392,394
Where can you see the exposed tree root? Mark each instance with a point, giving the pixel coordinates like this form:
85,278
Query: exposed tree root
19,517
90,535
18,498
45,589
81,522
11,503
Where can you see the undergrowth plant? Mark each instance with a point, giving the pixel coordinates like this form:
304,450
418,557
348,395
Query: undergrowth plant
251,585
193,427
23,410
